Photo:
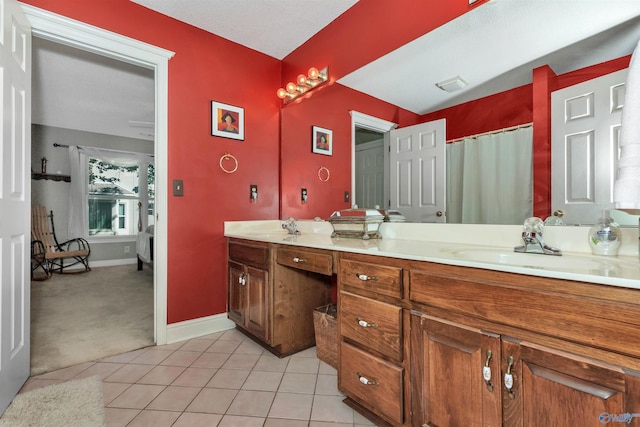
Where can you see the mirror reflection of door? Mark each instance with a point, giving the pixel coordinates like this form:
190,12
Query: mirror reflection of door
417,161
369,163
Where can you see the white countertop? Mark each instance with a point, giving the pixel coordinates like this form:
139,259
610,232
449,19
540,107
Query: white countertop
479,246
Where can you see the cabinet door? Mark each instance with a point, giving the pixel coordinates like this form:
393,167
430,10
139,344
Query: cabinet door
449,363
553,388
257,311
237,294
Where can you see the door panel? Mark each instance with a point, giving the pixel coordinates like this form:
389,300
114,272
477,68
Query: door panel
455,390
237,293
15,199
370,174
555,388
584,150
257,309
418,171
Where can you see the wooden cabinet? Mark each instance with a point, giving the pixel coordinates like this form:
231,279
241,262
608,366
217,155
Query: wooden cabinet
468,369
249,288
427,344
273,291
371,357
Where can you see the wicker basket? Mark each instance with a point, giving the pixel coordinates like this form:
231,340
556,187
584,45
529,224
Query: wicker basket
326,330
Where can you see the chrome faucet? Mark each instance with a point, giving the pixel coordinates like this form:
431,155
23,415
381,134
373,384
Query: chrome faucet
291,226
532,237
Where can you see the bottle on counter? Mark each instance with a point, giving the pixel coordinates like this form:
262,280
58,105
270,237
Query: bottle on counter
604,237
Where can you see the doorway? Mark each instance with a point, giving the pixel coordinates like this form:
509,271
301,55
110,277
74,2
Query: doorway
67,32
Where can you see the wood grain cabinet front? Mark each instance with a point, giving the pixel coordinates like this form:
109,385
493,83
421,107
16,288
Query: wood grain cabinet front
317,261
372,324
494,349
375,383
273,301
372,367
249,288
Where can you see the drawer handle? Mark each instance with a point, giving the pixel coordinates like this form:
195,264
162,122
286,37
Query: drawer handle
365,278
508,378
364,380
296,259
366,324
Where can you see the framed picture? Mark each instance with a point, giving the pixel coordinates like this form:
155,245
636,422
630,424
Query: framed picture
227,121
322,140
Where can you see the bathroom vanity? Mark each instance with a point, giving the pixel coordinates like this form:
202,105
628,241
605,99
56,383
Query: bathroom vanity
434,331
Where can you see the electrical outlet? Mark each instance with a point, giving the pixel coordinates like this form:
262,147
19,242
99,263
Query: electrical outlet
253,192
303,195
347,198
127,249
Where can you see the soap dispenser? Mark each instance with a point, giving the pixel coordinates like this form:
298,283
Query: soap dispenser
604,237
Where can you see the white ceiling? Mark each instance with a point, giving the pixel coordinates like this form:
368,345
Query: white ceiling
494,48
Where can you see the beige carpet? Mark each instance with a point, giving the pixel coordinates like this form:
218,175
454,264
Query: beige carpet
77,318
73,403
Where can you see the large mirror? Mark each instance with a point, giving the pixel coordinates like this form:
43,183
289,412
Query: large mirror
587,34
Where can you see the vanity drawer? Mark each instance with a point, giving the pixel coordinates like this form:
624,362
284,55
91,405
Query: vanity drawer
251,253
305,259
372,382
373,324
381,279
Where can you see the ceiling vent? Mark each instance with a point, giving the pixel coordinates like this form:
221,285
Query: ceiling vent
453,84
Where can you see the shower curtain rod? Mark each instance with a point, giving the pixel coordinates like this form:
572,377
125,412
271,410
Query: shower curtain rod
55,144
491,132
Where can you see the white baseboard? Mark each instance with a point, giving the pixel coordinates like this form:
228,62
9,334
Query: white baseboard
195,328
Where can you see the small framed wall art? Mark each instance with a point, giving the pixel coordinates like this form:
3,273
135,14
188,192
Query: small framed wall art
322,140
227,120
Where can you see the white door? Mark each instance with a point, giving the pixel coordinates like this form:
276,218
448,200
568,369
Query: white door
15,200
370,174
585,123
418,171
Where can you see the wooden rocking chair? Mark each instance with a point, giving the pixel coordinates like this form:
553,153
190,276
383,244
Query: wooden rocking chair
49,255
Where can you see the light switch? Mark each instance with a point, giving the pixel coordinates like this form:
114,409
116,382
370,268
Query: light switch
178,188
347,198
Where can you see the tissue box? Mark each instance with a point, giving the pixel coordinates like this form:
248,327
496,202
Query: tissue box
356,223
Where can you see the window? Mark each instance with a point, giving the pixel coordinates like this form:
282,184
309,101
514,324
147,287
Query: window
114,198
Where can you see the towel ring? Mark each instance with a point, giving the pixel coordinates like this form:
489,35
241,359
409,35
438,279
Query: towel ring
226,157
322,168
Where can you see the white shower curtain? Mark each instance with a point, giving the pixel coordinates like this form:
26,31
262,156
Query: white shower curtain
490,178
78,195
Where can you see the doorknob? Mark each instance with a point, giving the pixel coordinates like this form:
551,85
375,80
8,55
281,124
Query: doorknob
439,214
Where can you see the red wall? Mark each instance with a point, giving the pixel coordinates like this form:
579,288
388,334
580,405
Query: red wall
276,154
328,108
205,67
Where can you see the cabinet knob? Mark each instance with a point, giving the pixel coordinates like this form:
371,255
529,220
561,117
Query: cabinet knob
296,259
366,324
365,278
364,380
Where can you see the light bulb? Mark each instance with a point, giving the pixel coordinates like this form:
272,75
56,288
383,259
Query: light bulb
302,79
313,73
291,87
281,93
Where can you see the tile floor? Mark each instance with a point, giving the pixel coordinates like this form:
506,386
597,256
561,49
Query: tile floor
222,380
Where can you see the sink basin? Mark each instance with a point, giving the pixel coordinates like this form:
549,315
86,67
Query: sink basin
573,263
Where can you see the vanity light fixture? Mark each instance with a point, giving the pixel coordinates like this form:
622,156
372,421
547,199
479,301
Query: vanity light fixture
453,84
303,84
